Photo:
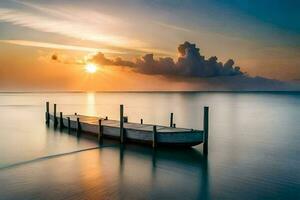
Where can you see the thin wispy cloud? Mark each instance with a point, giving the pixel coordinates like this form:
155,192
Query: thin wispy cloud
58,46
63,27
174,27
71,22
73,14
85,25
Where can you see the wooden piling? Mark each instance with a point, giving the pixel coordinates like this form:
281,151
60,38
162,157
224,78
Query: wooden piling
78,133
142,121
54,116
69,125
154,137
61,121
47,113
171,119
100,135
121,124
205,129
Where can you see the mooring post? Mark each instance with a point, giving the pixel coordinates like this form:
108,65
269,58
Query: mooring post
54,116
154,137
171,120
100,135
205,130
69,125
142,121
174,125
47,113
121,124
106,118
61,121
78,128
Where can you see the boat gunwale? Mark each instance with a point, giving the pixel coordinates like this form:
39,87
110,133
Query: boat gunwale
186,131
165,132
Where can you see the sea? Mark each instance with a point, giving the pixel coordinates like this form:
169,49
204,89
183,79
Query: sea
253,151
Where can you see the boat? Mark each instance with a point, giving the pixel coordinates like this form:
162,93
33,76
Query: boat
156,135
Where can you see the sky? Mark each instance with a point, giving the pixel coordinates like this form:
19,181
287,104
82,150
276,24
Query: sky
149,45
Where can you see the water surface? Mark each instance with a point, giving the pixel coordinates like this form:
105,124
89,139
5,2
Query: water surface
253,148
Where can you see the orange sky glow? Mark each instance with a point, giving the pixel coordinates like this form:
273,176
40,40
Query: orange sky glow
47,46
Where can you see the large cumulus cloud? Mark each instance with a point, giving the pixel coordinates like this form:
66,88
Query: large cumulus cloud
190,63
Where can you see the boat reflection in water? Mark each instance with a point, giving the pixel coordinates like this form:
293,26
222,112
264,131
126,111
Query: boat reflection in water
175,173
113,171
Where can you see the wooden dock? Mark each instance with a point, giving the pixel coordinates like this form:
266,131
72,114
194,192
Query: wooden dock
157,135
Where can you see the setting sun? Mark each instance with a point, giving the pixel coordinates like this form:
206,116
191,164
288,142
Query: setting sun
90,68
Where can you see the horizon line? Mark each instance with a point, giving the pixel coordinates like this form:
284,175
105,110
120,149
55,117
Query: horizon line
157,91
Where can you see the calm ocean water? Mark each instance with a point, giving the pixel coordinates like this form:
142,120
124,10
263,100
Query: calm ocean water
254,148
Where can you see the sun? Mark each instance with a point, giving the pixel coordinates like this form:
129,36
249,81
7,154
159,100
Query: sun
90,68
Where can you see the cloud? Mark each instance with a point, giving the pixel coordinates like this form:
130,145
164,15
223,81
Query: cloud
199,73
174,27
241,83
66,27
58,46
54,57
63,59
193,70
190,63
68,22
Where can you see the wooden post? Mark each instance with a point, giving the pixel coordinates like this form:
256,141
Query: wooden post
69,125
121,124
142,121
54,116
171,120
205,130
47,113
100,135
78,128
61,121
154,137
